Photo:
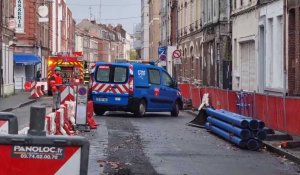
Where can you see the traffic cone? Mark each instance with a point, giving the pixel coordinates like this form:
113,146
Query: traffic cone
90,115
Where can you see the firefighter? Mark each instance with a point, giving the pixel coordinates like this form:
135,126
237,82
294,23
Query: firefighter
56,82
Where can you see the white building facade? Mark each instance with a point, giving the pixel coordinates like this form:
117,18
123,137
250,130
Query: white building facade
244,46
257,46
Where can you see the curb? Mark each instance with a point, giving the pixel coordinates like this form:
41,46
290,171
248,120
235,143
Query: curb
282,152
19,106
271,148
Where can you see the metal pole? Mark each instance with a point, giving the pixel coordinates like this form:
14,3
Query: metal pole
1,58
227,94
268,115
284,63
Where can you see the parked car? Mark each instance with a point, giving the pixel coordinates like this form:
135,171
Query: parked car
134,87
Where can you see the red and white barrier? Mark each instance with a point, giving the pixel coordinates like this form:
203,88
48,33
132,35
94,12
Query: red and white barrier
90,115
71,111
3,127
62,122
50,125
67,93
36,90
66,124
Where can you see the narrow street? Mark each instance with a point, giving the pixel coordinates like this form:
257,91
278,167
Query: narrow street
160,144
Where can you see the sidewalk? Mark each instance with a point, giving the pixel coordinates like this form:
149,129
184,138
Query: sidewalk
275,145
15,101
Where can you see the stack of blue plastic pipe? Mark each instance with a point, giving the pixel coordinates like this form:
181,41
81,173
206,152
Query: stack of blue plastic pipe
243,131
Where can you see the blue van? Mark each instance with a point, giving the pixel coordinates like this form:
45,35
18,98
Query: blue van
134,87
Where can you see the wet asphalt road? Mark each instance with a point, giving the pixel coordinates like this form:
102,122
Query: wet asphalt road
160,144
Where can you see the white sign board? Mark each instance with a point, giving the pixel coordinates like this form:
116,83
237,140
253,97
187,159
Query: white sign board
81,107
19,14
44,19
177,61
171,49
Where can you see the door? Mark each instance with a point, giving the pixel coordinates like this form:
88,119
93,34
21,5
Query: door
111,85
168,92
155,100
248,66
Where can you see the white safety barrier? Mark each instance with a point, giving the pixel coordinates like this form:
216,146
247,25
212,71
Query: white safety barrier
23,131
71,111
50,126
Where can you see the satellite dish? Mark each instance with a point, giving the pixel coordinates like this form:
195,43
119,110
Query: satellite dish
43,11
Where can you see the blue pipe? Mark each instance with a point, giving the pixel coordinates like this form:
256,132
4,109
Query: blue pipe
253,123
226,135
227,118
261,134
261,124
244,134
253,145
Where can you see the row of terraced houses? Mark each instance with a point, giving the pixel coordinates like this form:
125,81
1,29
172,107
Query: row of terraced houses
30,31
231,44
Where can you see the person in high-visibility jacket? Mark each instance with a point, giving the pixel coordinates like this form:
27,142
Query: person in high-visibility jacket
56,82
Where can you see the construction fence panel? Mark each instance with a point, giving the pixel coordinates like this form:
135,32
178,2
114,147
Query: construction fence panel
196,97
185,90
292,106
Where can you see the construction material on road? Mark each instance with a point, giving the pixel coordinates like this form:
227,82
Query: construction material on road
243,131
244,134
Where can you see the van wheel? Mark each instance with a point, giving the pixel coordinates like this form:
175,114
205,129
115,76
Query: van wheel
175,111
141,109
98,111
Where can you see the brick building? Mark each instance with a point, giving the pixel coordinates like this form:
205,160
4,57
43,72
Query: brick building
293,46
32,46
154,28
37,39
189,40
108,41
7,41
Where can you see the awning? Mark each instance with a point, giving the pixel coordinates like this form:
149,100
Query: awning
27,59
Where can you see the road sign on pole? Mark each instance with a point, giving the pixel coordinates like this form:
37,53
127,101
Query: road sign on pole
176,54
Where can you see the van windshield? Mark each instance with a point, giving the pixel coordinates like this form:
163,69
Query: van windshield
112,74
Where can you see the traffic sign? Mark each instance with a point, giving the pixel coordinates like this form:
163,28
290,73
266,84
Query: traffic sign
163,57
162,53
176,54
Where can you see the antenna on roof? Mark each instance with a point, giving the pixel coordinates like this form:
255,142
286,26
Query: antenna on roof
100,9
90,8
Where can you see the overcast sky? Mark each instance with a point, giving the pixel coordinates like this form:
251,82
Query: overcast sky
125,12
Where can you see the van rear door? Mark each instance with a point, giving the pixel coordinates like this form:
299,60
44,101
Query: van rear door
111,87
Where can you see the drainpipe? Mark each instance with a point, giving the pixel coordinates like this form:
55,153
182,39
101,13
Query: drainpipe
284,61
284,43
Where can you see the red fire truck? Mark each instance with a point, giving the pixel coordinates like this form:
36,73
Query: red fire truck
72,68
